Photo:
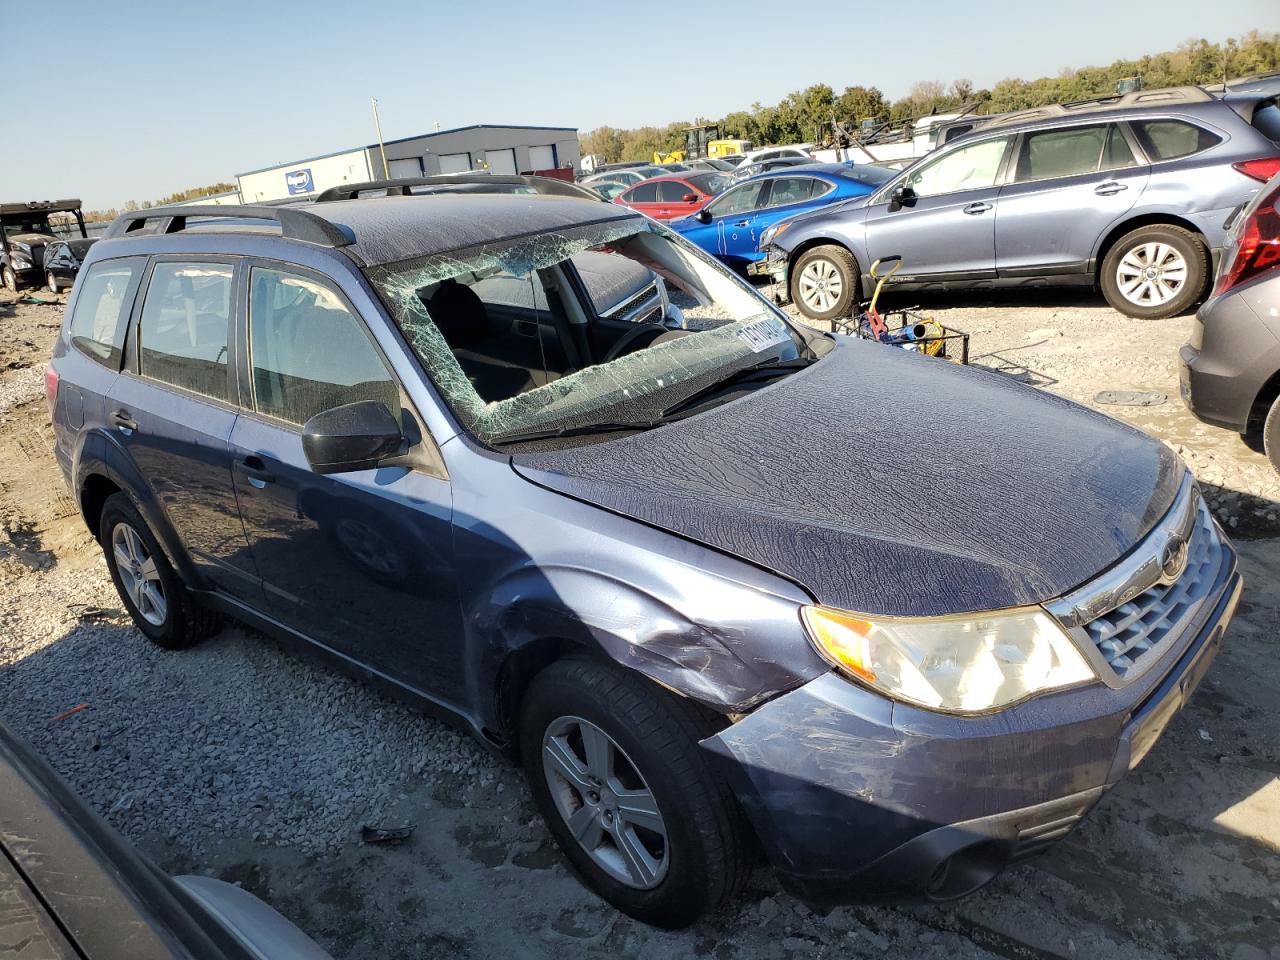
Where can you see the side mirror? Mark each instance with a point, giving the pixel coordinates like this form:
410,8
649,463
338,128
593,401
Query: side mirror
902,196
690,198
703,215
355,436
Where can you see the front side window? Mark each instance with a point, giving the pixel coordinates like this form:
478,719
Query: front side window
738,200
965,168
309,353
1046,154
1171,139
673,191
102,309
183,330
509,376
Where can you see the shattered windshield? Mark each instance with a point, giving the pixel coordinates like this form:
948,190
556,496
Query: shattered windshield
510,334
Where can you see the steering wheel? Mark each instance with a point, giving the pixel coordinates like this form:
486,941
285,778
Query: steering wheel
631,336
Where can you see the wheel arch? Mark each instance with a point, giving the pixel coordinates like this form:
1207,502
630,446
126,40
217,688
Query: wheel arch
1267,395
1110,239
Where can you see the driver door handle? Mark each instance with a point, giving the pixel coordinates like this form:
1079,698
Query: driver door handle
743,223
974,209
256,471
1109,188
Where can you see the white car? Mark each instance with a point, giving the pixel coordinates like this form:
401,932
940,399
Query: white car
773,153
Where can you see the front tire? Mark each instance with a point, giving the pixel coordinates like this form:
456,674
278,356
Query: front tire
51,281
615,769
1155,272
157,600
10,279
824,282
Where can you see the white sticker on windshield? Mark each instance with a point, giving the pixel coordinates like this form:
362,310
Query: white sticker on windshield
763,334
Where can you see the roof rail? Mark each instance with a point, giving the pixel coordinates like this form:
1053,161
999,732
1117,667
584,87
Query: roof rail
456,183
1138,98
295,223
1251,78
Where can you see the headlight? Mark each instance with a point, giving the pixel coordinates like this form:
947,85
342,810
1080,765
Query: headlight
961,664
771,233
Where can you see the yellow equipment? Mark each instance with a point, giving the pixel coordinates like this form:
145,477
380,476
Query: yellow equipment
675,156
728,148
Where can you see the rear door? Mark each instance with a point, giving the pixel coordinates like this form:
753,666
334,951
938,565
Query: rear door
1066,187
173,409
948,230
361,562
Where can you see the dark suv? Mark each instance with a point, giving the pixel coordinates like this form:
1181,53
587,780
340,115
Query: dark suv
648,552
1129,193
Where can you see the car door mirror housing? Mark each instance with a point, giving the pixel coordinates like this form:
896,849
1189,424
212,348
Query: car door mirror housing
690,198
703,215
902,196
354,436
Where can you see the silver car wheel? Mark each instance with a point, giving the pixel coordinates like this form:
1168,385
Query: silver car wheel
52,281
820,285
138,574
1151,274
605,802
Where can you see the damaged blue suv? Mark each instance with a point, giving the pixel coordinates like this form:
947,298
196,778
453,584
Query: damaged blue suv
694,565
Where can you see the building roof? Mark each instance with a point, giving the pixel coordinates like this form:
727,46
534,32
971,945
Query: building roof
418,136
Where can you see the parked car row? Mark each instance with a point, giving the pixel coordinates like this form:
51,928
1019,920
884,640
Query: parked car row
401,430
1130,195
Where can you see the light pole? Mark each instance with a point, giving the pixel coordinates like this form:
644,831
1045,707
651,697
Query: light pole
377,125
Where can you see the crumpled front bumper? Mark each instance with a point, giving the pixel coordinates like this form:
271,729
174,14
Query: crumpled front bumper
856,798
774,266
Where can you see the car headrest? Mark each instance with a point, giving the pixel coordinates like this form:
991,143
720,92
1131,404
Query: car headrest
459,313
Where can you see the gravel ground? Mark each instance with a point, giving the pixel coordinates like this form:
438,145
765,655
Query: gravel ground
243,761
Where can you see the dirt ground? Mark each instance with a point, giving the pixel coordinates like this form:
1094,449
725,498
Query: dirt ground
1181,860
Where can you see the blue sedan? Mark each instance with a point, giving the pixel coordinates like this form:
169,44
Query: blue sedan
729,227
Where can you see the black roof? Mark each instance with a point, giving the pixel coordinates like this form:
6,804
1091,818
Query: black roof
379,230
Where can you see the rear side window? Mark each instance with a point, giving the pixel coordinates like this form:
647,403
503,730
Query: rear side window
792,190
308,352
183,331
1171,139
1266,119
1060,153
102,308
643,193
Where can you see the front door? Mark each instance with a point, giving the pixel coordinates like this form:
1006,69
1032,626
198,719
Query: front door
173,412
733,226
1068,186
947,229
359,562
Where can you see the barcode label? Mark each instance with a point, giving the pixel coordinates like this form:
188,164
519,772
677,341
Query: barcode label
763,334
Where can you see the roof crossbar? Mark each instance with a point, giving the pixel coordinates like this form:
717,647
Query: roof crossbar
295,223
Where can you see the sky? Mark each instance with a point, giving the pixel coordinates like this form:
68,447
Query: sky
112,100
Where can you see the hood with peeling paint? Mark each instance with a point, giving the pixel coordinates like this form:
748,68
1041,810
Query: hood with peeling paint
889,483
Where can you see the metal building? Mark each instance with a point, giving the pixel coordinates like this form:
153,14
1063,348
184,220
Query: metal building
494,147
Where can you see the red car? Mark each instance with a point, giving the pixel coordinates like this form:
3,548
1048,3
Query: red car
666,198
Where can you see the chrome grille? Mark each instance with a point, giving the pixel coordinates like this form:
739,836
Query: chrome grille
1127,614
1126,634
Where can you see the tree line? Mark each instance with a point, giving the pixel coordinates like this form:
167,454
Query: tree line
181,196
806,115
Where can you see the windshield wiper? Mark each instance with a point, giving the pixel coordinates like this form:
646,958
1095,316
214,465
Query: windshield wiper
764,370
575,431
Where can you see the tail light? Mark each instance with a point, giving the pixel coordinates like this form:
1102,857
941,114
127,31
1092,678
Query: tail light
1262,170
51,387
1257,245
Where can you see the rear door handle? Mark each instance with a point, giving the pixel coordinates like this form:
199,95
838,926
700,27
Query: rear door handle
124,423
256,471
975,208
1109,188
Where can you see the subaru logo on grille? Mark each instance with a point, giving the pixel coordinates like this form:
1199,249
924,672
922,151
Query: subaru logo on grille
1173,558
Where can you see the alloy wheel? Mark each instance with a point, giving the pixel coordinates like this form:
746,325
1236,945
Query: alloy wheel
138,574
605,802
820,285
52,282
1151,274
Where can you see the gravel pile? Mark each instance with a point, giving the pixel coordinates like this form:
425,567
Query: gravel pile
229,739
21,387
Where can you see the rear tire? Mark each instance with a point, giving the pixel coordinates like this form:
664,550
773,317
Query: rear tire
1271,435
824,282
51,281
698,859
1155,272
10,280
157,600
